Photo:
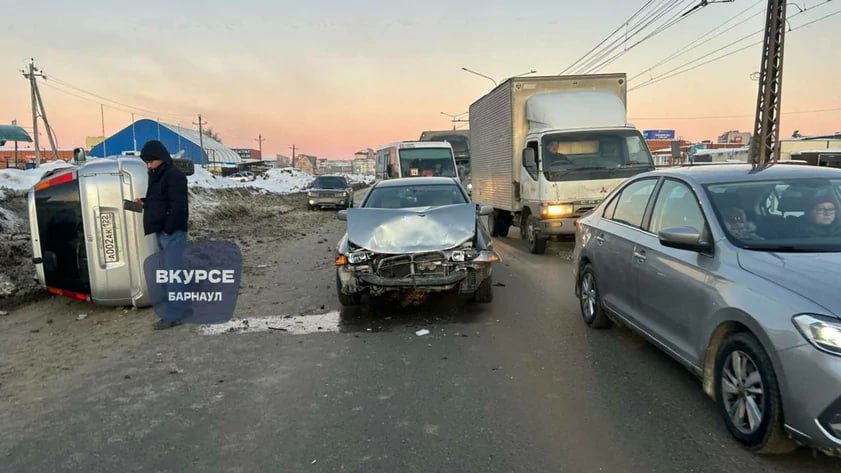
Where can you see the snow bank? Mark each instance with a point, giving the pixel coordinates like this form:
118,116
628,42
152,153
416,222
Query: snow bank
22,180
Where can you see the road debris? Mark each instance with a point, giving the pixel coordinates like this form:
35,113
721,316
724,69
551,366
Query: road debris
174,370
81,317
422,332
3,313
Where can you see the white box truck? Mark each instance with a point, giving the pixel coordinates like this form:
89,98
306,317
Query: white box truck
545,150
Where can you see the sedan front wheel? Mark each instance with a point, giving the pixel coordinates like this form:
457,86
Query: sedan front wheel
748,395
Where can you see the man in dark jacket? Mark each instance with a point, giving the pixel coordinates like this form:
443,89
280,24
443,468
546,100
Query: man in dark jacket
165,213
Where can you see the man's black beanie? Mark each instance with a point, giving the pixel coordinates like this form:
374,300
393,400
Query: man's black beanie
154,149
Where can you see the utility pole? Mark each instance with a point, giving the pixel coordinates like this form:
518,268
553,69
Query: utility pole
133,135
293,154
201,138
260,140
765,147
102,116
38,105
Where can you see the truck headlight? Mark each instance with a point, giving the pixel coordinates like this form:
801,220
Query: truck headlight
823,332
558,210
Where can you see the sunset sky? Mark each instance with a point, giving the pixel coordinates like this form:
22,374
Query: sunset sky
334,77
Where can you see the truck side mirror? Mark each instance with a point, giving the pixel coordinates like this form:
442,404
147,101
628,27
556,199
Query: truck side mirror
529,158
79,155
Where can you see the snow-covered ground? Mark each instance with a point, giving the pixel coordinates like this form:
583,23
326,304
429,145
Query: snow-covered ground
23,180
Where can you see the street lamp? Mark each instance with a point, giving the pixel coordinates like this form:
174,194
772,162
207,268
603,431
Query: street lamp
480,75
492,79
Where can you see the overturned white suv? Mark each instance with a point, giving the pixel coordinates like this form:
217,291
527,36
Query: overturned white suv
413,236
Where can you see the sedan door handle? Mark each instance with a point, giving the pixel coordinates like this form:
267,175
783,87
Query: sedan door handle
640,256
600,239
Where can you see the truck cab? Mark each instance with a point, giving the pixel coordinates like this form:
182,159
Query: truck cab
545,150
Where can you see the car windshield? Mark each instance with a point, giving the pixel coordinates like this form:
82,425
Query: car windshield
329,183
594,155
427,162
780,215
401,197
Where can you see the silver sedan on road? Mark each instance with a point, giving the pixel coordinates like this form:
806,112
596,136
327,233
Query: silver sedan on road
736,274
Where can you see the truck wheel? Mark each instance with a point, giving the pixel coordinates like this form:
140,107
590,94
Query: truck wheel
485,292
346,299
503,226
537,245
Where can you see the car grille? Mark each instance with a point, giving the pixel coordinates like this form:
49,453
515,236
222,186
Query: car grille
327,194
403,266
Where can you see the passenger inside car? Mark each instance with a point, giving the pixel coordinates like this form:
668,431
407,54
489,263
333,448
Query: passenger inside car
738,225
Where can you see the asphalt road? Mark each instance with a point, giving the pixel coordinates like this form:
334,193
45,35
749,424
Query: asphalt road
517,385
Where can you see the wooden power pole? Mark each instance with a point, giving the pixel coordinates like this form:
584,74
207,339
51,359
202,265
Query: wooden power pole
765,147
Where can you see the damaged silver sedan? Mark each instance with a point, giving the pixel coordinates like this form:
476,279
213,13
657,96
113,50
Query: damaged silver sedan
414,236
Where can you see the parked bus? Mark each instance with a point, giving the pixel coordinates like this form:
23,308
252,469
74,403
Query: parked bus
416,158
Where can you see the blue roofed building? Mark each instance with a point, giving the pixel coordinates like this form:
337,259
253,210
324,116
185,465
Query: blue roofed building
176,139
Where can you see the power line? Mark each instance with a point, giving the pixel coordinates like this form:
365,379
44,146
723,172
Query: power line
606,38
688,47
738,116
88,99
630,32
141,109
675,19
676,71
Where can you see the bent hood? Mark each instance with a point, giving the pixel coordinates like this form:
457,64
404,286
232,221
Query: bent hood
414,230
814,276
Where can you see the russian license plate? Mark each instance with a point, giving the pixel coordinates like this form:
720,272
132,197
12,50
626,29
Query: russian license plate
109,237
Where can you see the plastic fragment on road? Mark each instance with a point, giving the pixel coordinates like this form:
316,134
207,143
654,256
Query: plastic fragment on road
422,332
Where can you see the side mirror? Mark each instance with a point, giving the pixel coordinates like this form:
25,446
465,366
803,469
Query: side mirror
486,210
684,238
529,158
342,215
79,155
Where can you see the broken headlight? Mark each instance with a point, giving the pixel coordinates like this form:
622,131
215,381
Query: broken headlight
358,257
466,254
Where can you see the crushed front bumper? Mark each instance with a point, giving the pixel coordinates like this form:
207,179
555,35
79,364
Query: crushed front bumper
429,272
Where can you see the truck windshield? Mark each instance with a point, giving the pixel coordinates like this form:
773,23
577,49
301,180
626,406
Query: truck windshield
427,162
594,155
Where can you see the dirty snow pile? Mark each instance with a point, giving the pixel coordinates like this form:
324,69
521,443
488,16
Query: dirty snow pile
22,180
361,178
280,181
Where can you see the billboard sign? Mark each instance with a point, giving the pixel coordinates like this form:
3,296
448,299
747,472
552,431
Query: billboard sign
659,134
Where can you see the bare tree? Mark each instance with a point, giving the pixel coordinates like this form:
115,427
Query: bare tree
212,134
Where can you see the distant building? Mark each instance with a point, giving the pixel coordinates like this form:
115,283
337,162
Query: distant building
735,137
26,154
248,153
92,141
306,163
282,161
202,150
364,162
